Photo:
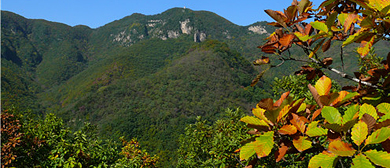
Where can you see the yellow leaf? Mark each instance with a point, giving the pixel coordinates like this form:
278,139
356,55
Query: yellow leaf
365,46
302,143
359,132
323,85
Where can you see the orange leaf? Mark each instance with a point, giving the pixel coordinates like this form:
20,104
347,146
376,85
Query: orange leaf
298,122
288,129
280,101
283,112
351,19
341,148
326,45
342,94
281,152
323,85
286,40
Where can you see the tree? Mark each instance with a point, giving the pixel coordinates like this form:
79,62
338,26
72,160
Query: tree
338,127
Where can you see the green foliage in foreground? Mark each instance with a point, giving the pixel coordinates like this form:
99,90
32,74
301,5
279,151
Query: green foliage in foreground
212,145
29,142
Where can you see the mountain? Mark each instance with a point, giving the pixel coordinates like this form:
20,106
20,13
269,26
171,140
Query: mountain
141,76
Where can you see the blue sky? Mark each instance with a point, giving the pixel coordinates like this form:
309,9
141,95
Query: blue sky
96,13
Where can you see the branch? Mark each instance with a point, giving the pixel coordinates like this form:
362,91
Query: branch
344,75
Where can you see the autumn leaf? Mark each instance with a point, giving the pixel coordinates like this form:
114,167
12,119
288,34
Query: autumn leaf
331,115
360,161
262,61
302,143
379,158
247,151
341,148
369,109
378,136
359,132
324,160
288,129
313,130
323,85
264,144
365,46
277,16
280,153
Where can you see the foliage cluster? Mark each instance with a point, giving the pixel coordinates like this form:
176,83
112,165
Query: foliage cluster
29,142
337,128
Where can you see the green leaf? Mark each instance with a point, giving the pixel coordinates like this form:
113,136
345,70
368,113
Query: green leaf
302,37
302,143
350,113
378,136
369,109
380,158
247,151
331,114
383,108
264,144
253,121
332,17
349,96
342,17
360,161
324,160
320,26
354,37
303,4
359,132
313,130
384,118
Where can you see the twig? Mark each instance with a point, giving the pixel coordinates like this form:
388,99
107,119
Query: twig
344,75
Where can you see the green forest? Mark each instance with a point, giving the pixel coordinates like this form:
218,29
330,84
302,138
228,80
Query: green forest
189,88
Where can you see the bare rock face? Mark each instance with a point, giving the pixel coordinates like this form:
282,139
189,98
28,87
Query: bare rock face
185,28
173,34
258,29
199,36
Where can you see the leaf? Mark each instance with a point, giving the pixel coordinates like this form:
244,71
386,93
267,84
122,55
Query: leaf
264,144
303,4
384,118
282,98
360,161
334,127
365,46
341,148
316,96
324,160
352,38
331,18
262,61
277,16
378,136
326,45
254,81
288,129
341,96
379,158
384,108
302,143
301,36
283,112
259,113
369,120
286,40
247,151
280,153
378,4
313,130
298,122
369,109
349,96
359,132
253,121
342,17
320,26
331,114
351,19
323,85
